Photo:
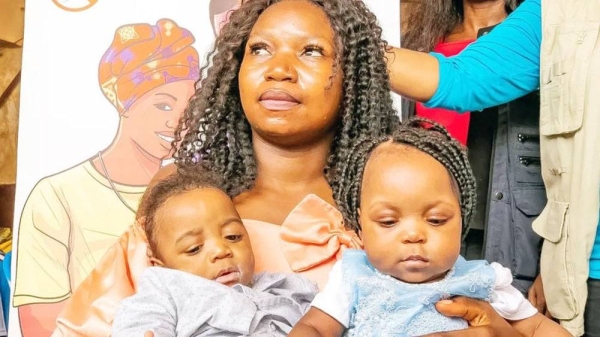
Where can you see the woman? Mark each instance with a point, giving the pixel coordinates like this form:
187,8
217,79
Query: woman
512,61
71,218
284,101
447,27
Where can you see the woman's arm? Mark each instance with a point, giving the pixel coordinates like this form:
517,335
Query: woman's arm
42,279
38,320
413,74
316,323
495,69
540,326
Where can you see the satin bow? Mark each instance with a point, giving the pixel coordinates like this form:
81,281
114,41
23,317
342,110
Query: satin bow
314,233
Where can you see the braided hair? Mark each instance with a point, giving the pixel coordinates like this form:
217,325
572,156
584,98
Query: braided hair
424,135
214,130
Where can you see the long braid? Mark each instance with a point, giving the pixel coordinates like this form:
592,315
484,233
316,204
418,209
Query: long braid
217,134
424,135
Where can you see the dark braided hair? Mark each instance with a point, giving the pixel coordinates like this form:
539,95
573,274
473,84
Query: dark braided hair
424,135
217,133
431,21
185,179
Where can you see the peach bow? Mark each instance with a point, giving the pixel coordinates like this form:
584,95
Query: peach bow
314,233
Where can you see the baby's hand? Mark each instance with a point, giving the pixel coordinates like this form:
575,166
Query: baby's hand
149,334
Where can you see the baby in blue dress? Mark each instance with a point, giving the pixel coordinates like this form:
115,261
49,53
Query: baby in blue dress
410,197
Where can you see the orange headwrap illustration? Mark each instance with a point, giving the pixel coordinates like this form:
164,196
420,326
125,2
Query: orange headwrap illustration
143,57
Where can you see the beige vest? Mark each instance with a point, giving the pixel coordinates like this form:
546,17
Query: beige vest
570,149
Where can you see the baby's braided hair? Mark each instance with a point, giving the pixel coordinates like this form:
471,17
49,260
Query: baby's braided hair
424,135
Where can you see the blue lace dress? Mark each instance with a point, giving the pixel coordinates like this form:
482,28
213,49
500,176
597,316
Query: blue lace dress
384,306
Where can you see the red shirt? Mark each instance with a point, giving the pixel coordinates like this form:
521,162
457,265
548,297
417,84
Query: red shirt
456,123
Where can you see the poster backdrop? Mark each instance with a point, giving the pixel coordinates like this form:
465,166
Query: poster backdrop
88,67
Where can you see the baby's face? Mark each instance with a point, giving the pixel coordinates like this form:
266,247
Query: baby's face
409,214
201,233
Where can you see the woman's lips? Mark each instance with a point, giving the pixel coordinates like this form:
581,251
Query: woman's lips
278,100
167,137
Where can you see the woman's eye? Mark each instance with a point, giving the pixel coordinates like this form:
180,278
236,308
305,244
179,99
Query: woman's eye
259,49
233,238
194,250
163,106
259,52
313,51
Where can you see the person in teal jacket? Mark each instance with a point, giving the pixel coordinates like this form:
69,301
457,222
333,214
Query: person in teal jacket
499,67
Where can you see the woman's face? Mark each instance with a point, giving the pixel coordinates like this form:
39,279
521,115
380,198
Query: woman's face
150,122
289,90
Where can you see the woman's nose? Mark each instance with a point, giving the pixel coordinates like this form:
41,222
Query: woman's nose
281,69
171,123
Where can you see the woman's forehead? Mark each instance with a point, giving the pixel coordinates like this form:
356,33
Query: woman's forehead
304,9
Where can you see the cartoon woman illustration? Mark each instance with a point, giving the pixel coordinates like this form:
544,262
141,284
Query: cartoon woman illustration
72,217
219,12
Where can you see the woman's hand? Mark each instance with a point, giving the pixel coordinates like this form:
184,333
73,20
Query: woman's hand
483,320
537,298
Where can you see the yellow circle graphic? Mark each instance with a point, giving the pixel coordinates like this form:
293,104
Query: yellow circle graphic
74,5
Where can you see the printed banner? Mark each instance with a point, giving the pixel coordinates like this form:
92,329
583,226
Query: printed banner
104,83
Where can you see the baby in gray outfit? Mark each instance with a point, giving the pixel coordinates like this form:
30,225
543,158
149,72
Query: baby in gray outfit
202,281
